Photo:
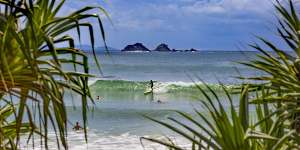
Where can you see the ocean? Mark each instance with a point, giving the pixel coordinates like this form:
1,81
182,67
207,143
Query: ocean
116,120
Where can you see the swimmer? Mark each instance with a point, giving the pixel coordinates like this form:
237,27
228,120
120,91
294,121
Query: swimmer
159,102
99,98
77,127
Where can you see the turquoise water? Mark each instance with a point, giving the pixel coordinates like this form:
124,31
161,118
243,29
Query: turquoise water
116,121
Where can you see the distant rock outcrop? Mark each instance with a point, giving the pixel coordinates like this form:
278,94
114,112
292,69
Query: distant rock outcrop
136,48
193,50
163,48
139,47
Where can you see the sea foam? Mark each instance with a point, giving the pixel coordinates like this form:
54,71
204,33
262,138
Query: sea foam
96,141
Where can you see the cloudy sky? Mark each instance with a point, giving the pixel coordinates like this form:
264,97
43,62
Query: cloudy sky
202,24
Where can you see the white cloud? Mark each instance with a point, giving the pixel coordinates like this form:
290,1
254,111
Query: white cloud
179,14
142,24
187,0
188,21
228,6
200,7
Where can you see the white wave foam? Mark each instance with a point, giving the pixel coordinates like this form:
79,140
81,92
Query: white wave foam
92,81
180,83
97,141
164,87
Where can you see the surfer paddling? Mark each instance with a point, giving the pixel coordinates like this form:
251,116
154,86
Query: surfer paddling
98,98
159,102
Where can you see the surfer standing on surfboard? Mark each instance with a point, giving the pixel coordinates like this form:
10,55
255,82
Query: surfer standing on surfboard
151,85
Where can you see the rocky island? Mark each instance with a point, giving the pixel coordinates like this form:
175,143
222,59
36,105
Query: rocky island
163,48
139,47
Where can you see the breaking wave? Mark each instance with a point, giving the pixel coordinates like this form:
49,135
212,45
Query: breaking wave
159,87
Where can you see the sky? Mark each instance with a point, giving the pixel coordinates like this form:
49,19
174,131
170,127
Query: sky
183,24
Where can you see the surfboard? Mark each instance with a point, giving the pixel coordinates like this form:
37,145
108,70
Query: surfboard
148,92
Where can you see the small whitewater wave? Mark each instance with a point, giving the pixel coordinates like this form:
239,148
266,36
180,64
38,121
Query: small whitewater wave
125,141
95,79
159,87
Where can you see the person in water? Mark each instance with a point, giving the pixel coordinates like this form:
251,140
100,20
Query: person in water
151,85
77,127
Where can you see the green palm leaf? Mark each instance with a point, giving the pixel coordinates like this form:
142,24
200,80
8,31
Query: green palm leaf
32,63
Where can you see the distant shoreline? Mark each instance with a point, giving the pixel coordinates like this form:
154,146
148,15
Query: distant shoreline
119,51
88,49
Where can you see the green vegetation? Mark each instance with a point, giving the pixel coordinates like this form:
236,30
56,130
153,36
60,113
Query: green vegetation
32,78
275,121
